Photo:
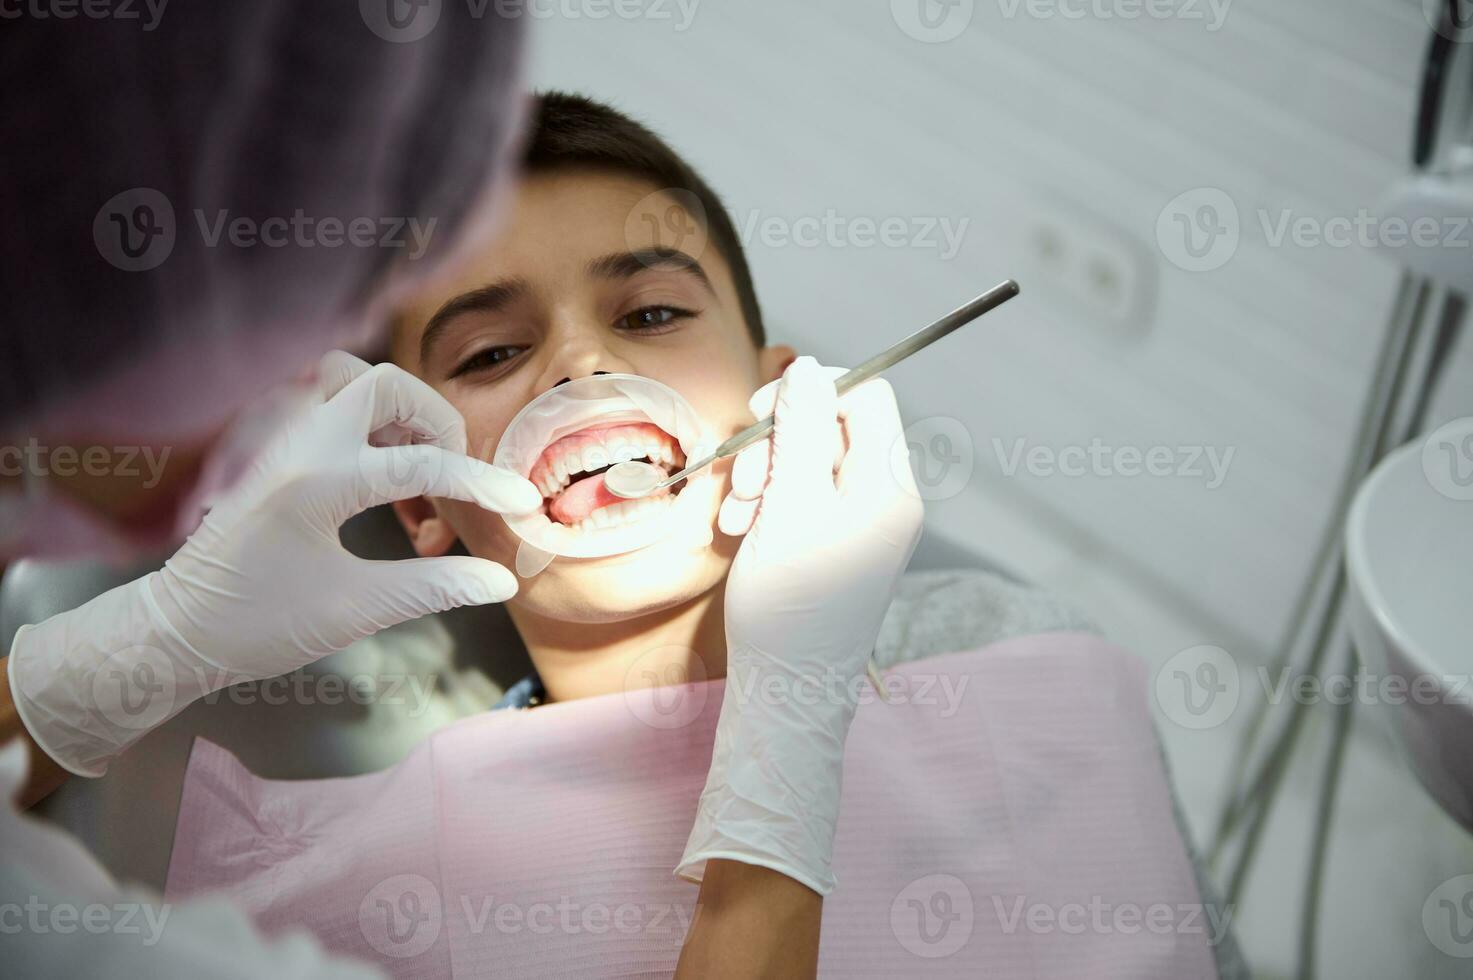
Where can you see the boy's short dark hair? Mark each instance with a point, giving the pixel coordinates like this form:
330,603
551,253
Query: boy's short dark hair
571,130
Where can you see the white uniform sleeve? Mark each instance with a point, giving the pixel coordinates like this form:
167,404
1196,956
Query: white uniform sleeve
62,917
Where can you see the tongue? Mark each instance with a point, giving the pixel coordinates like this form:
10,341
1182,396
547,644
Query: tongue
582,498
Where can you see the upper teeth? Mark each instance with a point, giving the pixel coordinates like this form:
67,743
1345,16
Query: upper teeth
558,475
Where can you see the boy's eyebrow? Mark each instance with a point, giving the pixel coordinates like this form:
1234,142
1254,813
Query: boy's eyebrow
485,299
626,265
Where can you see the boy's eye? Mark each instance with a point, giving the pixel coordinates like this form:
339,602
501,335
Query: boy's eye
652,318
489,358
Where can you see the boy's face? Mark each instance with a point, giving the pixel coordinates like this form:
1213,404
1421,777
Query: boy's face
568,289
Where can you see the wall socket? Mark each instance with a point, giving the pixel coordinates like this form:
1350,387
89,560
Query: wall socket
1091,268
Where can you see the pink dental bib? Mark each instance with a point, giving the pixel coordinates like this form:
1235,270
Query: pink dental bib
1005,816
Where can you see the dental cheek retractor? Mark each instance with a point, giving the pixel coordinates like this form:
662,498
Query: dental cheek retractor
566,440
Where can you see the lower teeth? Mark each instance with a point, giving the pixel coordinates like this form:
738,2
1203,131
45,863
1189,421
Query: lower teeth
626,512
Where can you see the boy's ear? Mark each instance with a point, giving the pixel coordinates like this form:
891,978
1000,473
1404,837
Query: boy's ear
774,360
429,532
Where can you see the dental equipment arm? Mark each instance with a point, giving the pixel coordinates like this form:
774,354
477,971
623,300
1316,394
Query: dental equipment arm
264,585
831,530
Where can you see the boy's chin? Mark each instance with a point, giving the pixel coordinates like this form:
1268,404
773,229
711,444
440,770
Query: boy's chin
623,587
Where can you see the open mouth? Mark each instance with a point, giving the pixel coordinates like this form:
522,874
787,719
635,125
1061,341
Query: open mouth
569,472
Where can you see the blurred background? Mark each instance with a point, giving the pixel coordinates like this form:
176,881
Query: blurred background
1164,179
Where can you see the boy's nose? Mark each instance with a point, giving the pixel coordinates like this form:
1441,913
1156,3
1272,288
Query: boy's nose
566,380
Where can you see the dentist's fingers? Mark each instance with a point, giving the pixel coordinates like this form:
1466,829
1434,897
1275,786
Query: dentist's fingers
753,474
804,435
749,470
393,473
736,516
764,399
875,466
386,395
415,587
336,370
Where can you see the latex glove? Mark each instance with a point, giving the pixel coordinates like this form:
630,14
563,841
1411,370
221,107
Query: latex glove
837,516
264,585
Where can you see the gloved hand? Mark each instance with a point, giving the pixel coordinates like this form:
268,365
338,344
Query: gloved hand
834,516
264,585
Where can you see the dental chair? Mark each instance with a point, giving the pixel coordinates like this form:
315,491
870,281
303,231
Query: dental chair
329,722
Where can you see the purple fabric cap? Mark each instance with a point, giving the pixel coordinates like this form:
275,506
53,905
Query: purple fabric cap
202,201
